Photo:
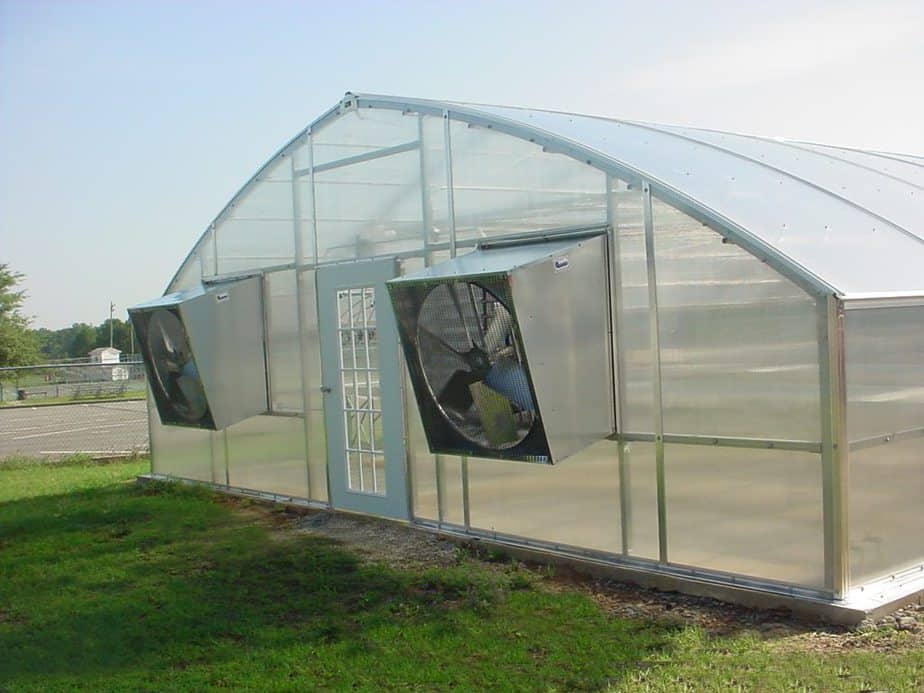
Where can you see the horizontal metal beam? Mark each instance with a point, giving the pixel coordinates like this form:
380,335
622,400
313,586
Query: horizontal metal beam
882,300
724,441
359,158
874,441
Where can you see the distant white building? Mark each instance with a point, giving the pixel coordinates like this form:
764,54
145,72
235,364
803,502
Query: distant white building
105,355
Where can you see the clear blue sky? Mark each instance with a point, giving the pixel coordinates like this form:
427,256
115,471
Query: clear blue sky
126,126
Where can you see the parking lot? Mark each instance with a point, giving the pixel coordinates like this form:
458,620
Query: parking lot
92,428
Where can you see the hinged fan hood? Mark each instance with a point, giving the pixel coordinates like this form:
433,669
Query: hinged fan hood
204,353
508,349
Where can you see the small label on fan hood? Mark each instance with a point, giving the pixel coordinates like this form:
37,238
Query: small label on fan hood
223,296
561,263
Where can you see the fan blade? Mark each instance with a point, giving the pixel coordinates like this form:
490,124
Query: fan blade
442,342
458,305
498,331
508,378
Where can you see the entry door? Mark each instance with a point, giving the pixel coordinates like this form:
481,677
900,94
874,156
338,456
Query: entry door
363,411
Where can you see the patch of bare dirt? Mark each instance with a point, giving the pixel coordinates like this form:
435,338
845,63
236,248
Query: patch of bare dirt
400,546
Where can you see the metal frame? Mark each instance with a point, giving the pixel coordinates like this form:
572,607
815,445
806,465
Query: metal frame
834,451
655,336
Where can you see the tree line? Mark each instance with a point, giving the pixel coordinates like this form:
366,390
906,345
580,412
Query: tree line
20,345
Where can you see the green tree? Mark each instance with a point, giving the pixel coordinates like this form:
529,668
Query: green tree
18,345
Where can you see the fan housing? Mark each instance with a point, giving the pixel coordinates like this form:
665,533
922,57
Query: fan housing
507,349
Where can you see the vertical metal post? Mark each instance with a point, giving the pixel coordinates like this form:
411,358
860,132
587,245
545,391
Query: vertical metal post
227,459
834,447
466,516
214,250
450,200
299,245
451,208
619,366
426,211
656,363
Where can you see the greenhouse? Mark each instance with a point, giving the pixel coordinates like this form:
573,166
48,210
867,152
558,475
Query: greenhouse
692,358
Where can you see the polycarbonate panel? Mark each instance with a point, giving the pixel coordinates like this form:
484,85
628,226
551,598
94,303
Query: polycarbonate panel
633,322
886,522
368,209
885,397
504,185
885,371
575,503
746,511
181,452
206,252
642,511
436,200
317,455
361,131
282,342
267,453
189,275
739,350
269,199
900,166
885,196
422,464
848,247
249,244
450,469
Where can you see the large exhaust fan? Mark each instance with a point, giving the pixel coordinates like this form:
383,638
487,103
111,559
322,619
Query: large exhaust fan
507,349
204,354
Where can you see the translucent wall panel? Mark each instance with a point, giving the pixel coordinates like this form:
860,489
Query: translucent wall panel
575,503
282,342
314,406
436,200
642,510
746,511
360,131
885,397
371,208
885,514
256,230
181,452
190,273
502,184
633,320
885,371
267,453
739,349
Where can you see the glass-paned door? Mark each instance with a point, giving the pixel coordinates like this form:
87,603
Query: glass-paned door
362,389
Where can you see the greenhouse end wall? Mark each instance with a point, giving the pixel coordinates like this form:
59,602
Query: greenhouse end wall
718,468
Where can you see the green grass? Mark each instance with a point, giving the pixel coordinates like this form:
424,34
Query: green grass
106,585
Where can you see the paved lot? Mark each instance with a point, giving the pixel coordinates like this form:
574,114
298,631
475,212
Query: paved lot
92,428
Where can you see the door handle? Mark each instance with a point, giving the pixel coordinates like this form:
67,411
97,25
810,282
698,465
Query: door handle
325,389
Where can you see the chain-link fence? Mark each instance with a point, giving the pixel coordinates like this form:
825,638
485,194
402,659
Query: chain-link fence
63,409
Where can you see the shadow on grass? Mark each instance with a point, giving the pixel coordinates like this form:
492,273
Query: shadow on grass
156,586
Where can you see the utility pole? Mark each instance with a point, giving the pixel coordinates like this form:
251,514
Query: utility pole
111,313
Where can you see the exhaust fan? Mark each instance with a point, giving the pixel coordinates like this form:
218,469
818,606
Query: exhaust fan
507,349
204,354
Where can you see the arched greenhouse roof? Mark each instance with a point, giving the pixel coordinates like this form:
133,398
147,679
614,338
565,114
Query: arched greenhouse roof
845,220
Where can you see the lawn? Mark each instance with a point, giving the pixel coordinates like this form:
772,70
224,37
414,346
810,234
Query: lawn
108,585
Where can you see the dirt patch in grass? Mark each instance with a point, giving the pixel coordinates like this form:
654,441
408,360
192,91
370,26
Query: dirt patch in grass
399,546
